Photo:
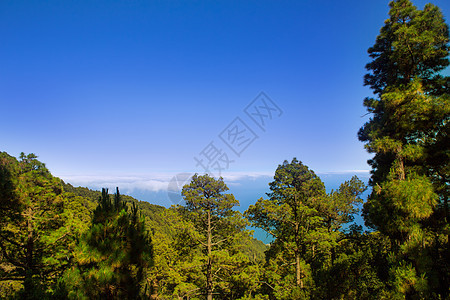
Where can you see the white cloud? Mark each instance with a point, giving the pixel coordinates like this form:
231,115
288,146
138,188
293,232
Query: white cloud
127,182
157,182
154,182
236,176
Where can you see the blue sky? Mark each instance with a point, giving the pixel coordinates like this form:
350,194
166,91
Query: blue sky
136,89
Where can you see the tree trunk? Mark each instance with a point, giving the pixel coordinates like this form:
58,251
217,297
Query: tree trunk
297,268
28,282
401,165
154,290
333,255
297,252
209,284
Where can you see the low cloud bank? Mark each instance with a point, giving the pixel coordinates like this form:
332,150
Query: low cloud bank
148,182
159,182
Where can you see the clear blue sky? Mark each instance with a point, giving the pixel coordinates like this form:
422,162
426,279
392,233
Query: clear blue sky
136,87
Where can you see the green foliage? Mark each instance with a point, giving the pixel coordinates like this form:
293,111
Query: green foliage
357,271
407,134
219,234
205,195
305,223
9,169
37,230
291,215
95,264
112,256
412,43
178,259
57,241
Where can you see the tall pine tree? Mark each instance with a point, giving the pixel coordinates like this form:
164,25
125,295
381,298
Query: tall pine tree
34,226
408,135
305,223
220,228
113,255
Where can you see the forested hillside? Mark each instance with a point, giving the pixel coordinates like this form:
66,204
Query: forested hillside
41,238
58,241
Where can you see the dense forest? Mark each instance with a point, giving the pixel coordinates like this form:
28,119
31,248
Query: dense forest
58,241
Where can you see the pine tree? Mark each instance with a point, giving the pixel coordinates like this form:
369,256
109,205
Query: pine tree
305,223
407,134
210,208
34,225
113,255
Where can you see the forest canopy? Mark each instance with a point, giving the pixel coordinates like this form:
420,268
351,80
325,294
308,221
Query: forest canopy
58,241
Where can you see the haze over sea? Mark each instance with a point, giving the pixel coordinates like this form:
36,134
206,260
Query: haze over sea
246,188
